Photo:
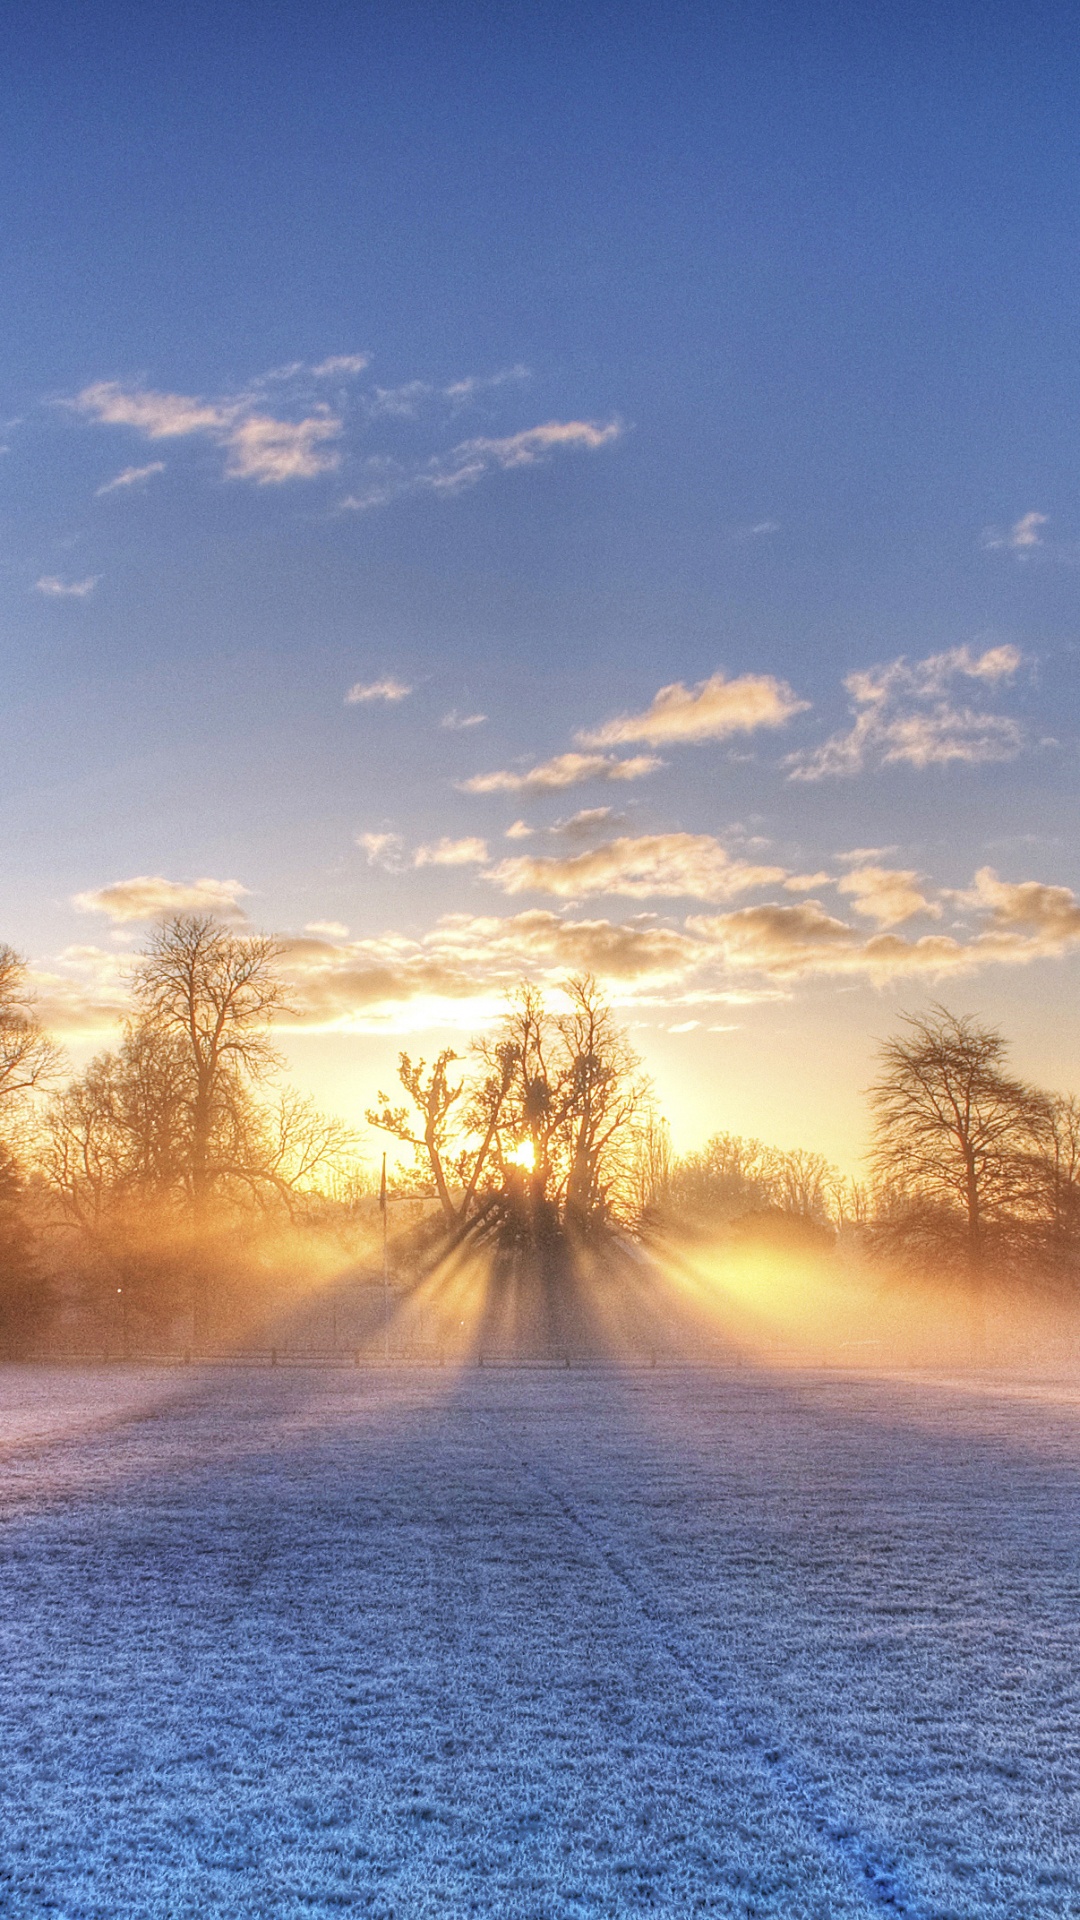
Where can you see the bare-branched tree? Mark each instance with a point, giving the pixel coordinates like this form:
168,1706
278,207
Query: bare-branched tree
959,1146
212,993
156,1147
542,1131
28,1058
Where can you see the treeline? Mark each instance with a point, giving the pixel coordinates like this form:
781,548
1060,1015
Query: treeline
150,1189
167,1189
973,1174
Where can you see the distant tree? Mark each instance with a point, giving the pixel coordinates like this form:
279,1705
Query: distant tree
24,1295
28,1058
158,1147
1056,1177
958,1147
210,994
540,1129
728,1177
604,1102
804,1181
565,1105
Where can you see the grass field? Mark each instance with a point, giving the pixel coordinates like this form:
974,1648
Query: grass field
526,1643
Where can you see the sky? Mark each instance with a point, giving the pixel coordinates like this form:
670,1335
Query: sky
508,490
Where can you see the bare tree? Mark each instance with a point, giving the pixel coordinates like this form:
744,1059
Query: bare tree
210,994
28,1058
430,1125
1056,1180
604,1101
956,1138
213,993
729,1176
540,1129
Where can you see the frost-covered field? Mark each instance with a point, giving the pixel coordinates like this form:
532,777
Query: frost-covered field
528,1644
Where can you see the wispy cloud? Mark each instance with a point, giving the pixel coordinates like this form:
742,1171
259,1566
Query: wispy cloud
131,477
565,770
386,689
905,713
413,397
454,472
649,866
586,824
258,445
456,722
461,391
280,427
383,850
339,364
56,589
452,853
756,530
151,897
1021,538
713,710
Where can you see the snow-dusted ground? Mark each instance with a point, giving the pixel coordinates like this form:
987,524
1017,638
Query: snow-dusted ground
304,1643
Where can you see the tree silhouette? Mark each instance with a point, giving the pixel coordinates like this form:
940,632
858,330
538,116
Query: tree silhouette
959,1145
28,1057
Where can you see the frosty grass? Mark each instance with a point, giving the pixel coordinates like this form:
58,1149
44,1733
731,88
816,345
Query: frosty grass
309,1642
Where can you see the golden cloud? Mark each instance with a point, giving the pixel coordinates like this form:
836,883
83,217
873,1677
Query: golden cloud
657,865
565,770
150,897
713,710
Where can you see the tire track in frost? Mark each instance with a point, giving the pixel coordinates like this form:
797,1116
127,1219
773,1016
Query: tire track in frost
865,1864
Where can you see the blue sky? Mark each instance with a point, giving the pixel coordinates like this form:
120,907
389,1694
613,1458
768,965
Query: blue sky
536,359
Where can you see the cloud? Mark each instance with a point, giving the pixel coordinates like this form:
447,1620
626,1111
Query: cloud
452,853
888,895
456,722
1049,915
382,849
565,770
85,993
131,477
756,530
402,401
466,389
454,472
341,363
457,973
904,713
258,446
657,865
783,942
587,824
1020,923
56,589
1021,538
520,830
385,689
713,710
269,451
150,897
